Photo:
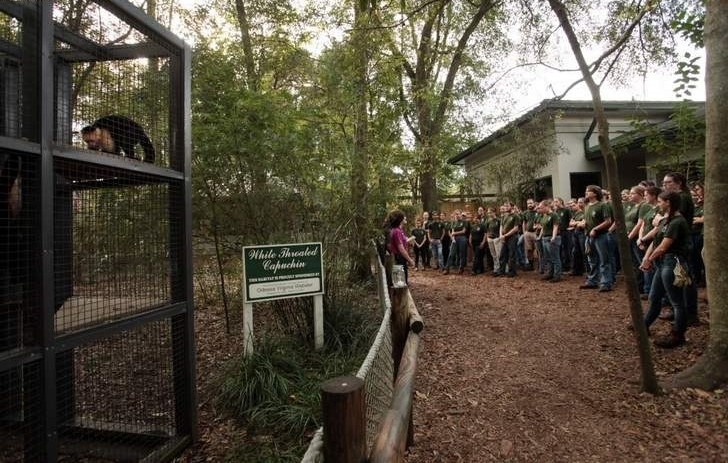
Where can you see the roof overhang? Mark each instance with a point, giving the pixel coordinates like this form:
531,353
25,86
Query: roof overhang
568,107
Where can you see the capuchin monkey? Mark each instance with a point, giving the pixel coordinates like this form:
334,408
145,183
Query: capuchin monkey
116,134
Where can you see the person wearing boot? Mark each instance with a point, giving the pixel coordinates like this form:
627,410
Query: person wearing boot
551,239
508,238
477,241
669,248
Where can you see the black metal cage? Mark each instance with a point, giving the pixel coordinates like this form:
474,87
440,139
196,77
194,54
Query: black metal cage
96,313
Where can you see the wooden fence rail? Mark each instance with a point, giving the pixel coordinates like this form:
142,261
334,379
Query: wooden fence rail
343,401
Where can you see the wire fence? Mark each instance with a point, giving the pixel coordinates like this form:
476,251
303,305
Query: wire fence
377,372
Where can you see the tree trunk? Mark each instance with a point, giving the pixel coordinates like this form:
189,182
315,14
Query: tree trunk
711,369
649,380
430,106
244,25
360,266
428,182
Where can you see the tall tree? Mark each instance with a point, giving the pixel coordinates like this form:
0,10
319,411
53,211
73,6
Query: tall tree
711,369
649,380
360,267
434,44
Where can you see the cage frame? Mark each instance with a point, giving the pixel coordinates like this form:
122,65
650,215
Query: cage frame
38,85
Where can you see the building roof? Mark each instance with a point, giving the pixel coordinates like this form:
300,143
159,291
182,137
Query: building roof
567,106
637,137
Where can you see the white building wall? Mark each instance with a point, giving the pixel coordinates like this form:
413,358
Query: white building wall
570,131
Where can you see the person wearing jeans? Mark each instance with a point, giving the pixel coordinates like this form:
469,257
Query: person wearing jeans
598,219
508,237
670,247
492,230
435,230
551,241
459,248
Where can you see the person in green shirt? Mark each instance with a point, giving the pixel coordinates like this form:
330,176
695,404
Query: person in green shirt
551,240
492,230
578,258
598,219
459,229
564,213
632,224
478,242
696,233
669,248
508,238
529,233
420,236
676,182
427,255
435,231
647,231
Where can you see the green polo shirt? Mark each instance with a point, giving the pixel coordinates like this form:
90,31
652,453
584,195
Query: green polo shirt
687,207
697,228
460,225
564,216
492,227
509,222
419,234
529,218
437,229
631,215
679,231
596,213
649,214
477,231
548,222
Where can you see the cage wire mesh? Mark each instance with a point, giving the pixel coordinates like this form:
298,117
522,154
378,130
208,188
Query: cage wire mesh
10,71
20,413
122,390
112,85
116,395
114,252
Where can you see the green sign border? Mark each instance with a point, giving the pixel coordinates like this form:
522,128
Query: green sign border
290,275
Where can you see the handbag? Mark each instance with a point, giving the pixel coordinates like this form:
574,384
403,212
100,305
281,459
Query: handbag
682,277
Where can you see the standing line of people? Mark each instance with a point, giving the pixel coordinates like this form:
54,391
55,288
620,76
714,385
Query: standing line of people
664,227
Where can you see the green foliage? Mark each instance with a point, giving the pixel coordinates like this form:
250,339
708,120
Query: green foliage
691,24
275,392
533,146
688,72
677,146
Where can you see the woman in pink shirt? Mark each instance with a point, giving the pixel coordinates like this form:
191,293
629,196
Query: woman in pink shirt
397,240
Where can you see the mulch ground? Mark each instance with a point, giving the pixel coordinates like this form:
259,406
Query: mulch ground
517,369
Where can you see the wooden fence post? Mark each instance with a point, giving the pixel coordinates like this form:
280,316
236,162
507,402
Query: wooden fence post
400,329
344,420
399,323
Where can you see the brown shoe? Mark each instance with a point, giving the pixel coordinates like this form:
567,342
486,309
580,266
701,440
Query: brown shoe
674,339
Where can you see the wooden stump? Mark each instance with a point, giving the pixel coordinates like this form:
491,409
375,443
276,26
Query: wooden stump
344,419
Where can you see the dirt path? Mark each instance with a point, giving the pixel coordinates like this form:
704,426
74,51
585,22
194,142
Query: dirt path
524,370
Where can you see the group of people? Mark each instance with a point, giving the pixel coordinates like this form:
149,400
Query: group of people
664,227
